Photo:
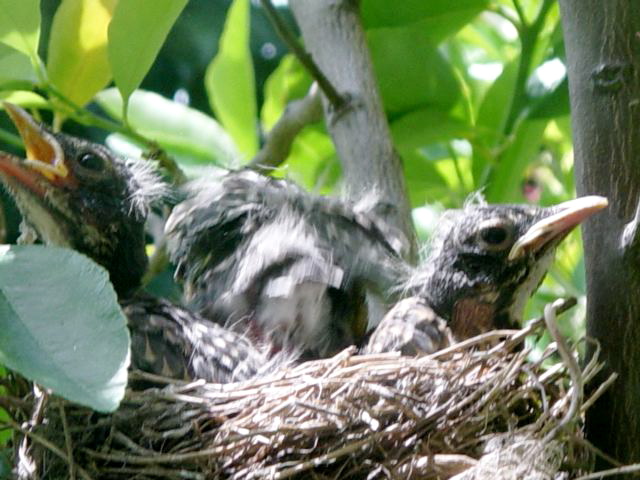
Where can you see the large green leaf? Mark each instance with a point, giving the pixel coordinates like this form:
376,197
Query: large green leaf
491,120
20,26
312,160
62,326
438,18
77,61
423,127
15,66
411,72
230,81
551,103
505,180
425,183
287,82
188,134
136,33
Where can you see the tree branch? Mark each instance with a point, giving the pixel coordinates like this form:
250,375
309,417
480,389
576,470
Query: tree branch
296,116
334,35
604,85
283,31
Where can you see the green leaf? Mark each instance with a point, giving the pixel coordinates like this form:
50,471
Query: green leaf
425,183
553,103
62,326
287,82
136,33
20,26
311,159
494,110
490,124
505,182
77,61
188,134
15,66
411,72
230,81
438,18
423,127
25,99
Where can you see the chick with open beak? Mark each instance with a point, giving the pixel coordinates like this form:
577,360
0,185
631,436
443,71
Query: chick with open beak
77,194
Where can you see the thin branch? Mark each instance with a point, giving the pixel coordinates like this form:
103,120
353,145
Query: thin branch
337,101
296,116
45,443
586,443
8,402
504,13
572,367
603,387
68,443
520,12
614,471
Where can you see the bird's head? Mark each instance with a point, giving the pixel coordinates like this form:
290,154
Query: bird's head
80,195
487,260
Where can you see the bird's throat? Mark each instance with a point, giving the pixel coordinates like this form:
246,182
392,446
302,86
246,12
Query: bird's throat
471,316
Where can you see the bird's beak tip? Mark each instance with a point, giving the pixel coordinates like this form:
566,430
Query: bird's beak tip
44,154
564,218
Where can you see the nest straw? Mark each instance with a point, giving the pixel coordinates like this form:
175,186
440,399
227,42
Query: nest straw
478,409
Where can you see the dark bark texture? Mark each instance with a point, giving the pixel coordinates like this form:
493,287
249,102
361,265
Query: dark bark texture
602,41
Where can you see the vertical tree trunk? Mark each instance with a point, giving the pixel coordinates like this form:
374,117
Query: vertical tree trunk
334,36
602,41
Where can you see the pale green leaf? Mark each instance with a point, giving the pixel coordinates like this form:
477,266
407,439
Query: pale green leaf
230,81
24,98
286,83
443,14
423,127
411,72
15,66
492,117
188,134
62,326
505,180
20,26
136,33
77,62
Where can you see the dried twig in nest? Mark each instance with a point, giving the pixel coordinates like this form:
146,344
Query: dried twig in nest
474,410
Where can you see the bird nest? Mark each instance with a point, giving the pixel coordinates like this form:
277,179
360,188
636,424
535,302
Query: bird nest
478,409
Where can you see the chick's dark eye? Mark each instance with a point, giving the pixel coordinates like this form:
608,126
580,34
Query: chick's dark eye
494,235
91,161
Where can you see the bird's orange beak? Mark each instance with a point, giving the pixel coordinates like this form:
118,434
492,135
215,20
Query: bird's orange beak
44,156
565,217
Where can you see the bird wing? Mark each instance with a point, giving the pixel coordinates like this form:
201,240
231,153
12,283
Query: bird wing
411,327
253,246
171,341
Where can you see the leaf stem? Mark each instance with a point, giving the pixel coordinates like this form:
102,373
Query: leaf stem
10,138
520,12
528,36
